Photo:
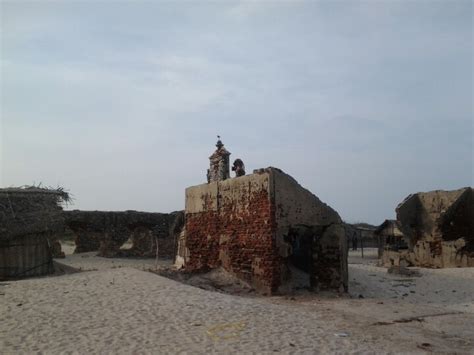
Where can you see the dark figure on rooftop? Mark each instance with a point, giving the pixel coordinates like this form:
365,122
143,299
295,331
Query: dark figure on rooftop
238,167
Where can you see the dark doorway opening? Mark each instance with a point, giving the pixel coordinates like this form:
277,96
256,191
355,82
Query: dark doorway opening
300,240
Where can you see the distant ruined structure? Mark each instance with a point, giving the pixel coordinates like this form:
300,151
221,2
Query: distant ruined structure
390,237
438,227
264,228
107,231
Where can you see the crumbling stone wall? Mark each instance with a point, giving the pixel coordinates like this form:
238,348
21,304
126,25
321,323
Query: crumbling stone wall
106,232
244,225
167,235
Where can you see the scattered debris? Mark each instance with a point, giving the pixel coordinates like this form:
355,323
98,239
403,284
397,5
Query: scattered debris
416,318
424,346
402,270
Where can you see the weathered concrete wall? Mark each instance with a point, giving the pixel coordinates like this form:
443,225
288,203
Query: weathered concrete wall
248,224
419,215
297,207
439,228
441,254
410,215
458,221
330,268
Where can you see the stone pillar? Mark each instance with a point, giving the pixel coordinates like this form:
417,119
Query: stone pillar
330,269
219,164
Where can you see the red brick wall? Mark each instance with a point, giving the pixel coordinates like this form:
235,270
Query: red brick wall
239,236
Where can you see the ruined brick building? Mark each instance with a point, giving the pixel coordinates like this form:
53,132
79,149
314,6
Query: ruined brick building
261,227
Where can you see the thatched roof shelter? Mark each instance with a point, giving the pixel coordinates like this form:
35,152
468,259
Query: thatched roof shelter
28,216
389,228
30,209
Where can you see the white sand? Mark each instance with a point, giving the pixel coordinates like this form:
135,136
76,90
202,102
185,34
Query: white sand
452,289
127,310
91,262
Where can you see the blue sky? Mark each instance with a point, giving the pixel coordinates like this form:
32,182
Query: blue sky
120,102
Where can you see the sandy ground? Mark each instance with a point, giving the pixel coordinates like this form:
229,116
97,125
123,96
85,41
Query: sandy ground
120,308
